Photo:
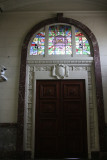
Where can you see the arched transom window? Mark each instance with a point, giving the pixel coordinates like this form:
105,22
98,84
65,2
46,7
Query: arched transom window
59,39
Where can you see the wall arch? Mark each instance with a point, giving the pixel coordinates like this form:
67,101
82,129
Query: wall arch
98,79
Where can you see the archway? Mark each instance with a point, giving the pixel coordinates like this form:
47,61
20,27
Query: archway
97,69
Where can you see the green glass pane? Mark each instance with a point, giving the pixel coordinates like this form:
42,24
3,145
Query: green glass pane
68,40
85,43
41,50
51,50
52,31
78,50
50,41
79,41
41,41
84,52
77,38
86,49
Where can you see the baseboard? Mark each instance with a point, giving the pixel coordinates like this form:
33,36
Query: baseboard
99,155
10,125
27,155
15,155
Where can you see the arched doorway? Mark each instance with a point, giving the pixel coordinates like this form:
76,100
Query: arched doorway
97,69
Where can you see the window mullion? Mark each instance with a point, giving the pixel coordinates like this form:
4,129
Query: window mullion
73,42
46,40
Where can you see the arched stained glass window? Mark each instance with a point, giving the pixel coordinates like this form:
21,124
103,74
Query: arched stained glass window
60,40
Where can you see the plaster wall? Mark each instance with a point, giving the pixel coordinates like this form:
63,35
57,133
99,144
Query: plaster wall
13,28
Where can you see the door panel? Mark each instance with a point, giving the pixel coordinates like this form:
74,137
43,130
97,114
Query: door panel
72,107
60,119
74,118
48,127
71,90
47,119
48,91
47,146
48,107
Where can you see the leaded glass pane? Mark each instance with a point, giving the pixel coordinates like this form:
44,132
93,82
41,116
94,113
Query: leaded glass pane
78,50
68,50
50,42
38,44
81,42
59,50
51,50
59,40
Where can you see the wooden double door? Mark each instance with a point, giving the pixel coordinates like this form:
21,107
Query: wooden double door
61,129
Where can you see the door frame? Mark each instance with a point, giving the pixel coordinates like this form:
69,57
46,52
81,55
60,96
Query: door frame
45,75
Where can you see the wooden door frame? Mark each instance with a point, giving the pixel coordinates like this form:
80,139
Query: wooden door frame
98,78
58,85
44,75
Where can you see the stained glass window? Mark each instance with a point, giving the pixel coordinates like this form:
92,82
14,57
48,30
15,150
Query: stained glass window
81,42
59,40
38,45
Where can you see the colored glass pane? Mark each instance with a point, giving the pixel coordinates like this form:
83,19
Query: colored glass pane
78,50
50,41
78,33
82,44
68,41
59,50
51,50
68,50
86,50
37,46
59,40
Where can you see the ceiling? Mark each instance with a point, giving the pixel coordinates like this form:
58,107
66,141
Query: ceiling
53,5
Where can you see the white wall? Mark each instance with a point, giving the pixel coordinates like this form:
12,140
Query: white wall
13,29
